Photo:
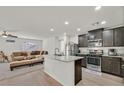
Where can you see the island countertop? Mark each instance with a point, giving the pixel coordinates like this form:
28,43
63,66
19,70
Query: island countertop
65,58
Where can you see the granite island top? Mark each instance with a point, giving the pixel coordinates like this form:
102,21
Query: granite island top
65,58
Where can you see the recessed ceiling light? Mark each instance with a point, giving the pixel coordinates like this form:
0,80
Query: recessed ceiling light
66,22
78,29
51,29
98,8
103,22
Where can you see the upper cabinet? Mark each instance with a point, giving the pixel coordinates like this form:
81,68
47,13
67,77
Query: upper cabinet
108,38
82,40
119,36
101,37
95,34
114,37
95,38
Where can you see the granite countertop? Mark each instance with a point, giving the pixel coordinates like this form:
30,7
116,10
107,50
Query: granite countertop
82,53
66,58
118,56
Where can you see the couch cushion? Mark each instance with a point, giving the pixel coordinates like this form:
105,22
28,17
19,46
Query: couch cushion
35,53
35,60
19,63
30,57
18,58
19,54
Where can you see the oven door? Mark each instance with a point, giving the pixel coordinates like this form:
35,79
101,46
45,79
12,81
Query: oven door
94,61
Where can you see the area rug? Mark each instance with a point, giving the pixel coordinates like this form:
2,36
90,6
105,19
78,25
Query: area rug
5,72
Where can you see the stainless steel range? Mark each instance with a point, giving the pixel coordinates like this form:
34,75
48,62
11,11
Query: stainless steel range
94,60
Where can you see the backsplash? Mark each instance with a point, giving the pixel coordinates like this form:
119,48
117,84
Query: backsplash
120,50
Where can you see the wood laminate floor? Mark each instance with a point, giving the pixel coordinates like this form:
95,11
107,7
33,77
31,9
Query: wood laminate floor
91,78
39,78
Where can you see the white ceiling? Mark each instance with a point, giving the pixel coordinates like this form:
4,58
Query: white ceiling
35,22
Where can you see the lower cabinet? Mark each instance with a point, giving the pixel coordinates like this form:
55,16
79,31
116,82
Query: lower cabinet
84,62
78,71
111,65
122,69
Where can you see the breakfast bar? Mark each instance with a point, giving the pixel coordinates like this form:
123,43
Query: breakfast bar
65,69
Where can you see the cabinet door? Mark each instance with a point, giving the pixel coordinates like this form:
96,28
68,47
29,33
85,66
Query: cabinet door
98,34
83,40
119,36
84,62
122,69
78,71
116,66
108,38
95,34
111,65
106,64
80,40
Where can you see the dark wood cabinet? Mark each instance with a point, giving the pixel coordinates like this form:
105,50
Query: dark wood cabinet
82,40
108,38
105,64
113,37
111,65
119,36
83,63
95,34
122,69
78,71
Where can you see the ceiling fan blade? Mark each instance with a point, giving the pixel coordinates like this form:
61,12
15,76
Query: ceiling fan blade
9,35
4,33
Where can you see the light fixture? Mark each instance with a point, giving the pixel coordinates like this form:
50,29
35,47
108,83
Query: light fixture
103,22
78,29
98,8
51,29
4,34
96,23
66,22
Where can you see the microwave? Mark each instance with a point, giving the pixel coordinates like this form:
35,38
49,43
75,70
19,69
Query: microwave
95,43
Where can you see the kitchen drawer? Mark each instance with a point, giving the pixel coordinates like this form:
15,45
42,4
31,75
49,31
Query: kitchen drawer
111,65
111,59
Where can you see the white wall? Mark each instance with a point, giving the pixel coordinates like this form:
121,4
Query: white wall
74,39
49,45
8,47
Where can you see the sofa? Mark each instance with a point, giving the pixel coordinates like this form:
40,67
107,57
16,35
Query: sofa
25,58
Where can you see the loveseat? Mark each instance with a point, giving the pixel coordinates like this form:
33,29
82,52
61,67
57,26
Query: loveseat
25,58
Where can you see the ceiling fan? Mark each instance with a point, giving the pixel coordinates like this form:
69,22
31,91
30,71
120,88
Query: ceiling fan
5,34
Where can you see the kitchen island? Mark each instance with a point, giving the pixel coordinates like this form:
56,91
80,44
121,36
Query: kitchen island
65,69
